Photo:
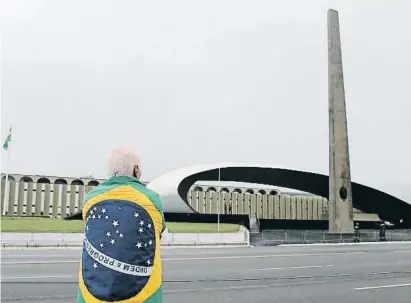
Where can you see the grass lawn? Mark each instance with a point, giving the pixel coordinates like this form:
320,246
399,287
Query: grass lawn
12,224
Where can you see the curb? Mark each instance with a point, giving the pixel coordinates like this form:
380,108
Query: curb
11,240
346,244
167,247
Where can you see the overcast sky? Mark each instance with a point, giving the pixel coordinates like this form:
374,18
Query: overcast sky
191,82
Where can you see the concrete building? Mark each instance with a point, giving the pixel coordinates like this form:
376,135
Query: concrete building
37,195
194,190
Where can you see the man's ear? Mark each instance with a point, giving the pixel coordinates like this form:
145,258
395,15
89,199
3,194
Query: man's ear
136,172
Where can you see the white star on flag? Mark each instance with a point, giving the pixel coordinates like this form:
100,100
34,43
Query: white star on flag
121,236
108,234
141,223
150,242
106,217
94,216
149,225
95,265
138,244
115,223
95,208
136,215
91,211
140,230
148,262
112,241
103,210
101,245
99,216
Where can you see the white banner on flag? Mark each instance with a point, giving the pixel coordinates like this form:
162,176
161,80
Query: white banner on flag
115,264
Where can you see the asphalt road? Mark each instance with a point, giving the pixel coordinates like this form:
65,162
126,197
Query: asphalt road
356,273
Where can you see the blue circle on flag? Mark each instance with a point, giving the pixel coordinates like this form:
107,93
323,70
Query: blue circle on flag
119,250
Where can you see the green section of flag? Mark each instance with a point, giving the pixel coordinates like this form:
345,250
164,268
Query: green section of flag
8,140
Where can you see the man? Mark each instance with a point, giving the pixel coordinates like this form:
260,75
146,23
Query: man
121,259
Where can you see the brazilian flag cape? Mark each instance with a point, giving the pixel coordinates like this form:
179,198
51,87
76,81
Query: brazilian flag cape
121,259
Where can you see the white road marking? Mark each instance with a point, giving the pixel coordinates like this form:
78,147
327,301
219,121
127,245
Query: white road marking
35,277
264,256
379,273
239,287
295,267
347,244
39,262
26,255
37,298
200,258
382,286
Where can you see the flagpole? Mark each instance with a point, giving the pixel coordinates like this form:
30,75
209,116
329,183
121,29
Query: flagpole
218,205
6,194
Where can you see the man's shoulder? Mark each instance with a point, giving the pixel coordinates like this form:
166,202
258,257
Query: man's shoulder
99,189
152,195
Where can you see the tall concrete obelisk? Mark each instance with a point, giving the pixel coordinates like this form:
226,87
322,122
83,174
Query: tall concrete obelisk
340,195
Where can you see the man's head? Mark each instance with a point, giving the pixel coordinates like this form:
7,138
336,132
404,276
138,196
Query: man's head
124,162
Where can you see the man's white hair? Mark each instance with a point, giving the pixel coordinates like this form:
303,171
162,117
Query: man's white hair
123,161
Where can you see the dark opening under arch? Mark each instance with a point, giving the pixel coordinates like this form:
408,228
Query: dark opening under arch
43,180
11,178
60,181
26,179
93,183
77,182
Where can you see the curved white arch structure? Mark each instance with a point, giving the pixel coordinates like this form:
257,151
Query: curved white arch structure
174,186
167,184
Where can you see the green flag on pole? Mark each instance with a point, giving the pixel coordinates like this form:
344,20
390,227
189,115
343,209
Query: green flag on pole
8,140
